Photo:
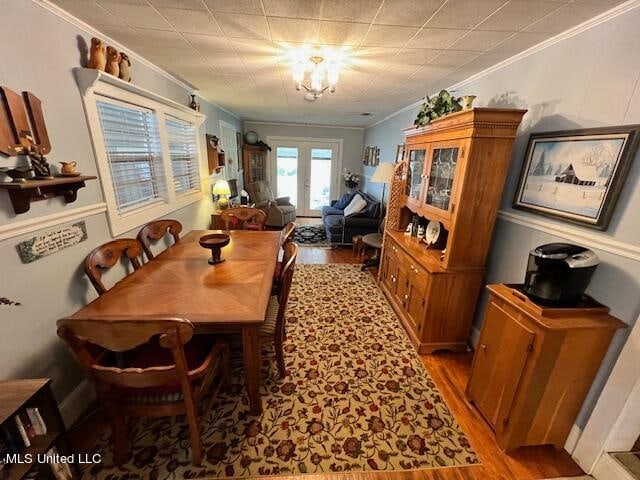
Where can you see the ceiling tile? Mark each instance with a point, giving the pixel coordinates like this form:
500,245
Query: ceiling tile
209,43
138,16
242,83
89,12
520,42
517,15
479,41
226,63
464,13
191,21
162,37
258,64
123,34
349,10
130,2
184,4
437,38
341,33
453,58
243,26
294,29
409,13
253,7
430,72
388,36
292,8
256,47
415,56
566,17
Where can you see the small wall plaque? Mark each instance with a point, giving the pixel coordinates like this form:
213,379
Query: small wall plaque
52,242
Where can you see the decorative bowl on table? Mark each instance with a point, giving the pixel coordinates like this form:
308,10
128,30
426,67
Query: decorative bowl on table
215,242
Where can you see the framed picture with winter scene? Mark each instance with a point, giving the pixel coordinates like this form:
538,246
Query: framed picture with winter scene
577,175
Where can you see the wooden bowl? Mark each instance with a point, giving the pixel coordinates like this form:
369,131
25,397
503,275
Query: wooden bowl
215,242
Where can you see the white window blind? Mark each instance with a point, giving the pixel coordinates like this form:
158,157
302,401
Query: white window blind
183,151
134,153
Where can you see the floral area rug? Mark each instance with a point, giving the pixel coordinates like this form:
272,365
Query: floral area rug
310,235
356,397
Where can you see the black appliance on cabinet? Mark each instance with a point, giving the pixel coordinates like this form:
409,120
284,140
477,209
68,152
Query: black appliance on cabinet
558,273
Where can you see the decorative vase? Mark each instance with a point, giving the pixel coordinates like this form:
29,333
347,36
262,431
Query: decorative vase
466,101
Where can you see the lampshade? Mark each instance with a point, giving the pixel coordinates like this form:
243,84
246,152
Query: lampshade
383,173
221,188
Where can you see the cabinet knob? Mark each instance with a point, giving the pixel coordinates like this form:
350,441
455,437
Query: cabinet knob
483,347
406,297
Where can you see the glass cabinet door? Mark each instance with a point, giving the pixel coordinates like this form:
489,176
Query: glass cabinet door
440,177
416,168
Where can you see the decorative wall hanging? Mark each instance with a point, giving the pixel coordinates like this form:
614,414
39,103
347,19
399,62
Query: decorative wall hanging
52,242
577,175
371,156
6,301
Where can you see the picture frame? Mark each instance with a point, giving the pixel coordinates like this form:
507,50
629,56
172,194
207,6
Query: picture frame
400,152
577,175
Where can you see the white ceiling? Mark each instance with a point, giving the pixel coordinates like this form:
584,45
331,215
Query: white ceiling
232,51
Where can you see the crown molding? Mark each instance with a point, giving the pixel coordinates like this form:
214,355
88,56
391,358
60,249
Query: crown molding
16,229
586,25
284,124
76,22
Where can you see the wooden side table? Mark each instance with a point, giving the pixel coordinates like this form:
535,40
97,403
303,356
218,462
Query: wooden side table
16,396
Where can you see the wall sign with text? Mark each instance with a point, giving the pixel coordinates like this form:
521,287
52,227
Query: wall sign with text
52,242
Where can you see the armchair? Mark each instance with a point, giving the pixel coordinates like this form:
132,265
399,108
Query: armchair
279,211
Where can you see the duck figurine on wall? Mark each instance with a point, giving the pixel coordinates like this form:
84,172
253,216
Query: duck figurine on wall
113,62
17,174
125,64
97,56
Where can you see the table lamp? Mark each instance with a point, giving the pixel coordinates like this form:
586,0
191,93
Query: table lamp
383,174
222,190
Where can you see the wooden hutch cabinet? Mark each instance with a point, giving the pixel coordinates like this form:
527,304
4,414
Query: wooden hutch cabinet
535,364
254,163
453,172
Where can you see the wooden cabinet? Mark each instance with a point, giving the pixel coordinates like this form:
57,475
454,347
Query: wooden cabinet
453,172
254,162
535,365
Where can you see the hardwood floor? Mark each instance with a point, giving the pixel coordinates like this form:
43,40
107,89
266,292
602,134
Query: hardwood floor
450,372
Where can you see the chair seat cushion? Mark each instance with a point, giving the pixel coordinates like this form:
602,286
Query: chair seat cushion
271,318
373,240
286,208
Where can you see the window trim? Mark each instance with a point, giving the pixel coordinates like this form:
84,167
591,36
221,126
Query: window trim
94,85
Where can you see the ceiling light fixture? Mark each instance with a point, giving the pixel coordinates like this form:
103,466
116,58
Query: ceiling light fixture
316,72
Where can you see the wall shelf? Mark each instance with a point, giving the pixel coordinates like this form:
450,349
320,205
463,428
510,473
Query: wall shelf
22,194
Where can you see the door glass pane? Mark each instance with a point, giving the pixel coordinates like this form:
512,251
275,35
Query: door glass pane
287,173
443,169
416,166
320,178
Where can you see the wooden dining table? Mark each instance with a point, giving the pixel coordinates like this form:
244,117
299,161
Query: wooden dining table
226,298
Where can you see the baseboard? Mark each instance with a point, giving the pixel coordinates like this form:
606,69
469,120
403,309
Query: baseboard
607,468
77,402
572,439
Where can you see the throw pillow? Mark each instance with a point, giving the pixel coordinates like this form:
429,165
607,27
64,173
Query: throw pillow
356,205
344,201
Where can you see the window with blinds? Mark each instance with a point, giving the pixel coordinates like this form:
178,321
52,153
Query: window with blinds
183,151
134,153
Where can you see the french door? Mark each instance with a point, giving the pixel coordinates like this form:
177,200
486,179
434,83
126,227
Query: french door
306,172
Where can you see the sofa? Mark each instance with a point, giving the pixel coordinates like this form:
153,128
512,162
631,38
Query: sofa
340,229
279,211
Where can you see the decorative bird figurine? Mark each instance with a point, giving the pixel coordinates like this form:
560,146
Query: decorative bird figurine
97,57
113,62
125,63
17,174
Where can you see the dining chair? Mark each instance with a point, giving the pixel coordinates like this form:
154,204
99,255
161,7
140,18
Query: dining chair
286,237
107,255
154,231
243,218
274,327
148,368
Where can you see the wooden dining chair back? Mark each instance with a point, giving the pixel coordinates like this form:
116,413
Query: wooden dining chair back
143,367
107,255
287,233
243,218
154,231
274,328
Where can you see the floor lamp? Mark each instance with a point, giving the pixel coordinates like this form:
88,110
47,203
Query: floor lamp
383,175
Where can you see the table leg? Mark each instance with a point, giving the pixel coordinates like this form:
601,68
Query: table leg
251,349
